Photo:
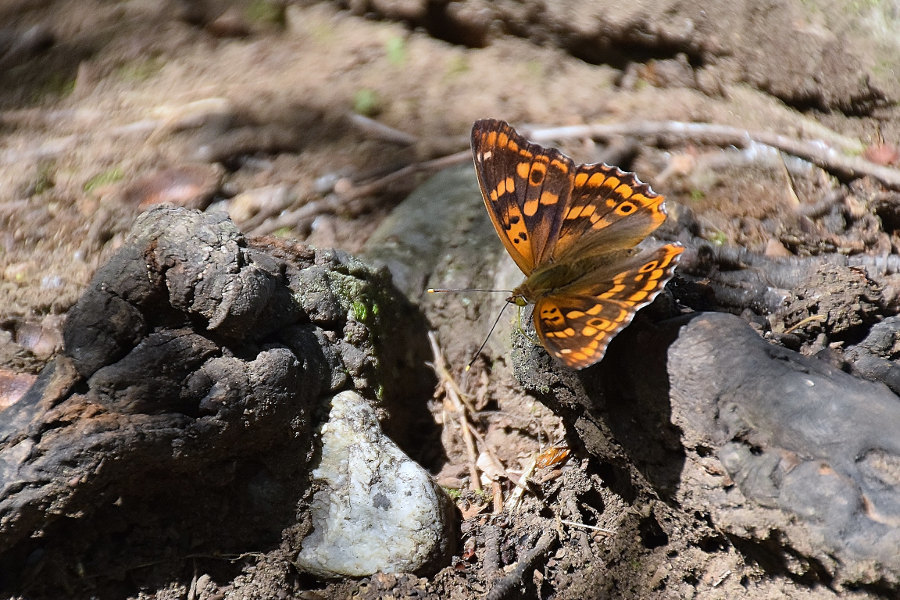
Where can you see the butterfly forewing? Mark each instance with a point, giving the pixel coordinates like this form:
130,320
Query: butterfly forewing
609,210
577,322
525,189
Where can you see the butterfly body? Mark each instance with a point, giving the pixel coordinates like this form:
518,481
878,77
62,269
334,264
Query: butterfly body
557,277
574,232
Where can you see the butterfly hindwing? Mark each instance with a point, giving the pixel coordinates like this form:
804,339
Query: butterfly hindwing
577,329
576,323
626,275
525,189
609,209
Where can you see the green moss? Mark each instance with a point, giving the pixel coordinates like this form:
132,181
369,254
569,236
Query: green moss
535,68
56,85
697,195
265,12
366,102
359,311
457,65
395,48
44,180
454,493
140,70
718,238
104,178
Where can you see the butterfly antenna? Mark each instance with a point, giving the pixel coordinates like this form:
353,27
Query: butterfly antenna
497,320
440,290
486,338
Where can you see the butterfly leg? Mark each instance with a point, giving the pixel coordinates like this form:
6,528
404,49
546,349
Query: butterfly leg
534,340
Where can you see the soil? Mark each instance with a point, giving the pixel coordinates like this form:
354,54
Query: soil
255,106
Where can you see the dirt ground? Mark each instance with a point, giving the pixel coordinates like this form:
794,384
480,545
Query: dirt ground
254,106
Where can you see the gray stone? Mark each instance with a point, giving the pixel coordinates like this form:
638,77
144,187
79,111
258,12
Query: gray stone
374,509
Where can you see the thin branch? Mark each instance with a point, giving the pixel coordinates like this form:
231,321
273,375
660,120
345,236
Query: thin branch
497,495
583,526
461,405
672,132
508,585
805,321
512,503
432,165
381,131
351,202
450,388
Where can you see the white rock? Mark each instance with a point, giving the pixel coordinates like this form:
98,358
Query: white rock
374,508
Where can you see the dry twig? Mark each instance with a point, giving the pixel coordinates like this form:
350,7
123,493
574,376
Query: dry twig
672,132
506,586
584,526
428,166
352,202
452,391
461,404
381,131
512,503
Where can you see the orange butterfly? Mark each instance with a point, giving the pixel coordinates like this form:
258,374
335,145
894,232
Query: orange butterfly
573,230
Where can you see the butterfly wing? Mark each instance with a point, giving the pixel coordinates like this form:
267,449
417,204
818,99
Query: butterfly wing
526,189
609,210
577,323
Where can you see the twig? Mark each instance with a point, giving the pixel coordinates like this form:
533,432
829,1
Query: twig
31,117
583,526
497,495
512,503
805,321
506,586
382,131
445,373
669,132
348,203
459,401
51,148
450,388
722,578
491,561
435,164
307,212
487,448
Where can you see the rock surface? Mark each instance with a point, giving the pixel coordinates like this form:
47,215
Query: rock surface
374,508
788,459
195,356
812,453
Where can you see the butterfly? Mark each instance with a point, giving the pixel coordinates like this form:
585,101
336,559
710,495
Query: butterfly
573,230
